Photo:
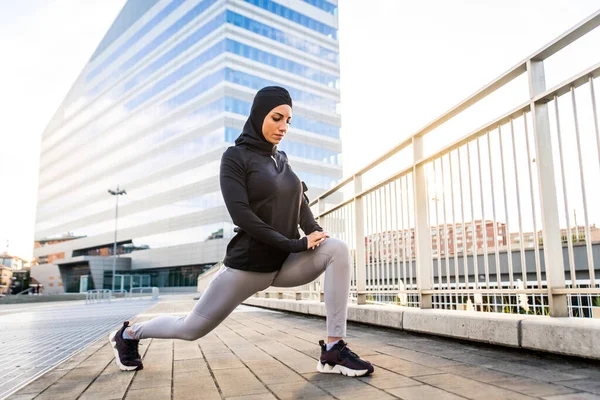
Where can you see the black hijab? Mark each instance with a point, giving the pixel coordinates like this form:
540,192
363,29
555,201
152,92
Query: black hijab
265,100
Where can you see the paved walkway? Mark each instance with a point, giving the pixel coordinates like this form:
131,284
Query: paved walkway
258,354
32,336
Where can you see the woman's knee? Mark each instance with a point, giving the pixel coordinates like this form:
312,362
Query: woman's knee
191,335
195,326
337,245
338,248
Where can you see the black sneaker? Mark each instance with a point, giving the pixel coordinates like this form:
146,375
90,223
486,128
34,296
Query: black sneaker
126,351
341,360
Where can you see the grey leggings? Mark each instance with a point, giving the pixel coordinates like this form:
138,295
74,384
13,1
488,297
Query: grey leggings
230,287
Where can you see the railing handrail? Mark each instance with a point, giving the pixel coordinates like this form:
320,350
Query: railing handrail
562,41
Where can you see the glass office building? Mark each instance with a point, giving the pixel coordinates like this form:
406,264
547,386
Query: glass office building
166,92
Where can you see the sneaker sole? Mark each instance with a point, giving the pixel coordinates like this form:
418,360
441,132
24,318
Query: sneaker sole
340,369
113,345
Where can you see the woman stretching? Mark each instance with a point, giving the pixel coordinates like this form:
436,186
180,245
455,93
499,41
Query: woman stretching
266,202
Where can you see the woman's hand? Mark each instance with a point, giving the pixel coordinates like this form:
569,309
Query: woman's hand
316,238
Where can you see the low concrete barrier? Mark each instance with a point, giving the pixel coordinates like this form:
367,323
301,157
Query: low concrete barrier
569,336
205,278
41,298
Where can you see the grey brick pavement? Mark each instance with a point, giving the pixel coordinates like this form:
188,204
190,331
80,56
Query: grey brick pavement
260,354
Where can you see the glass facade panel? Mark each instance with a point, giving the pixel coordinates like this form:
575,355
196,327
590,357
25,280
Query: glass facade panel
103,155
169,184
281,36
71,277
164,13
296,17
323,5
238,48
185,276
191,235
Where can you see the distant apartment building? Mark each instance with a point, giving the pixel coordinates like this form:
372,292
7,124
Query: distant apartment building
577,234
14,262
448,239
6,274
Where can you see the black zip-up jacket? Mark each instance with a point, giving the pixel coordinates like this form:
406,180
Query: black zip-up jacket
265,199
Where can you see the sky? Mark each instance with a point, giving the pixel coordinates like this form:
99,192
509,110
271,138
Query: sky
402,65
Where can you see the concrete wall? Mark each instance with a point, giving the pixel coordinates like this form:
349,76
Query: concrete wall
49,276
571,336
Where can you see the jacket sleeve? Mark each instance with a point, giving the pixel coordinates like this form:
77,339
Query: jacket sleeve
307,220
235,194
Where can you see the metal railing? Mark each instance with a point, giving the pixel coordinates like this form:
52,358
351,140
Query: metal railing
487,221
98,296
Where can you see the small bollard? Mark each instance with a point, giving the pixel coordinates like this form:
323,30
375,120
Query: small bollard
322,297
298,296
280,295
154,293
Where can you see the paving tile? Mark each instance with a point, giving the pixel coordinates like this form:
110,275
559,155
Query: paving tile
480,374
588,372
266,396
423,392
298,390
28,396
299,362
403,367
344,387
416,357
43,382
112,386
573,396
202,387
190,376
186,350
63,391
539,373
155,393
151,379
238,382
585,385
532,387
253,355
224,361
81,375
273,372
469,388
388,380
190,365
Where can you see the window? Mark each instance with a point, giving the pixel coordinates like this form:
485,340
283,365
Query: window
296,17
135,37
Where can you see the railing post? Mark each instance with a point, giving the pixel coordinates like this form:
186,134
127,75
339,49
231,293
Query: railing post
361,266
553,253
321,210
422,234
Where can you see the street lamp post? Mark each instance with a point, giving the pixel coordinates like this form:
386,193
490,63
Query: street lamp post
115,193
